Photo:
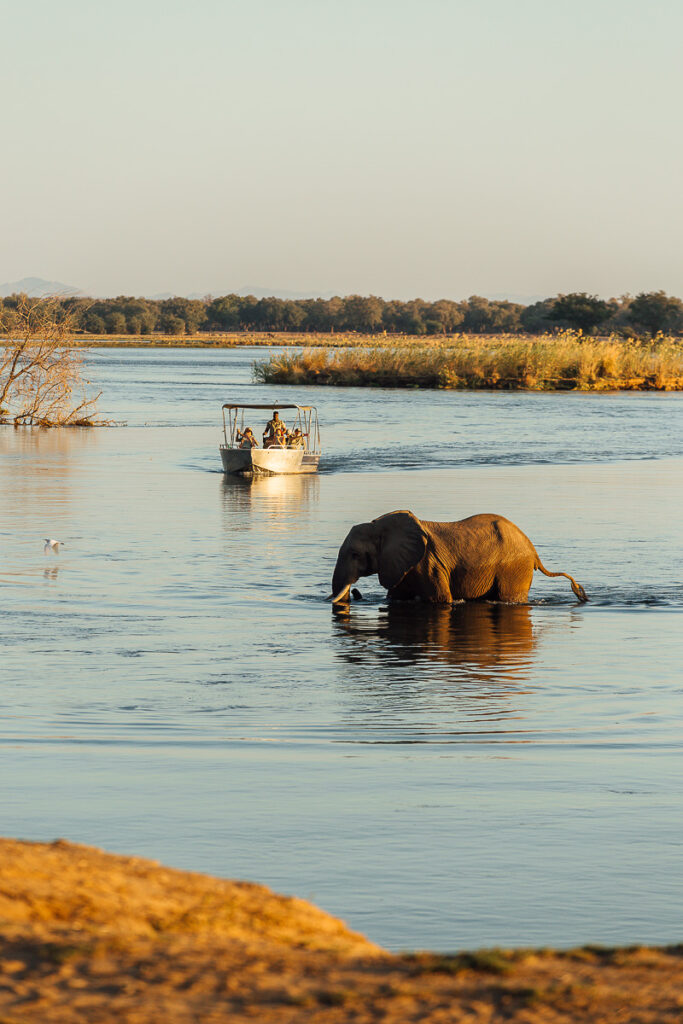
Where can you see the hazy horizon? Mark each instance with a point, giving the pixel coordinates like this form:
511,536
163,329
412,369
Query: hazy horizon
398,149
38,286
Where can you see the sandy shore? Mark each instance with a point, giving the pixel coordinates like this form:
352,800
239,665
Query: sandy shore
87,936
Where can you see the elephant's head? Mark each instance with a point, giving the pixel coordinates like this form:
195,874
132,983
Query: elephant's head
389,546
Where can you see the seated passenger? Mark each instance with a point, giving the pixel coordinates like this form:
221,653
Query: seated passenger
274,440
296,439
247,439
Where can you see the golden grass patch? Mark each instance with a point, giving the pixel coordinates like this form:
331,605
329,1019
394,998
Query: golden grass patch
566,361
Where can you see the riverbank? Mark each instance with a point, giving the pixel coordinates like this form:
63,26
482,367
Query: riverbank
237,339
340,339
88,936
563,362
271,339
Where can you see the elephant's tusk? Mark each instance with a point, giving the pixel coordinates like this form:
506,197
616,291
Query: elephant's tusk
342,596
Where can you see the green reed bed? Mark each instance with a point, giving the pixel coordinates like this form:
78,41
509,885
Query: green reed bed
567,361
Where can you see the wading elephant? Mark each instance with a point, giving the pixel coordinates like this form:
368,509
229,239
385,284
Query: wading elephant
484,556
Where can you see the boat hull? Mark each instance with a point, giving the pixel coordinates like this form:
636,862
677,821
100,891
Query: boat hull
268,461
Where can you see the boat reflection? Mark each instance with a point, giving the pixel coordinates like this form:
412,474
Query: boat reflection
470,642
274,499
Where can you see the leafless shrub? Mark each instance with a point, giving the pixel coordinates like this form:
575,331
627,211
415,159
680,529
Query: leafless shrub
41,373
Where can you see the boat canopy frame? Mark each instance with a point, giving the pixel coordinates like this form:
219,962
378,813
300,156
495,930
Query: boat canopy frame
306,420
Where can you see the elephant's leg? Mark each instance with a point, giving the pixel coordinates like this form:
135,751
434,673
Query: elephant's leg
426,583
401,592
434,582
513,582
474,584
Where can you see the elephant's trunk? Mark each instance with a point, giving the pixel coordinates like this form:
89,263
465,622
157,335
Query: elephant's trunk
341,585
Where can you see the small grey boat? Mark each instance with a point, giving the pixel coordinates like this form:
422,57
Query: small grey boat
295,455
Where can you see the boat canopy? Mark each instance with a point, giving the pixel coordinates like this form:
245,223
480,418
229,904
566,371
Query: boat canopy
306,419
269,405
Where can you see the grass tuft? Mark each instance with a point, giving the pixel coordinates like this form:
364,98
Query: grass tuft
488,961
566,361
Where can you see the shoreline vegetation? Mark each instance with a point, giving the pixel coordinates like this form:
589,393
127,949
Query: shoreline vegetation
43,343
647,313
229,339
41,372
559,361
567,361
90,936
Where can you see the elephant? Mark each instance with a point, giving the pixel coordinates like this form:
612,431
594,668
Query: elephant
483,557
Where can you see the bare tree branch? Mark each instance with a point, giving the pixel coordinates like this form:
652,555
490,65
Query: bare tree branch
41,379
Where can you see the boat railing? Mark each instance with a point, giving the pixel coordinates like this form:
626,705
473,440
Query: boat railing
306,420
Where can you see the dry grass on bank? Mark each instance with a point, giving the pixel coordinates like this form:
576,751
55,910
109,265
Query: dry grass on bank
214,339
566,361
262,339
90,938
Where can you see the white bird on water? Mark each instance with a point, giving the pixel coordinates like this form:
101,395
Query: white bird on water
52,546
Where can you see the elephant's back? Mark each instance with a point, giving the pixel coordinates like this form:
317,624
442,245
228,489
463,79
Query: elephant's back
486,529
481,521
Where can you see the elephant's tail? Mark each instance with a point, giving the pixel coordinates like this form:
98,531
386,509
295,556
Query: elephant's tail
576,587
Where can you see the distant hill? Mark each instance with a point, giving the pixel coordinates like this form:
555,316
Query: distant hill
523,300
160,296
38,287
255,290
280,293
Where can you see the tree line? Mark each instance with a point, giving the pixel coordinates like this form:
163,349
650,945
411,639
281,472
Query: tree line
647,312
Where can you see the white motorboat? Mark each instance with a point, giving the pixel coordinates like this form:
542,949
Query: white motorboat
300,454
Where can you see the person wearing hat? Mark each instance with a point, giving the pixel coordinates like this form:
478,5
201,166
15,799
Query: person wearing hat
247,439
296,439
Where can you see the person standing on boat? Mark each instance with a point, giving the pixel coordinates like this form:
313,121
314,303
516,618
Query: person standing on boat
274,426
247,439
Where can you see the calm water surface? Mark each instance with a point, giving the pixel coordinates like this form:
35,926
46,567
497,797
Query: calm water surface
174,684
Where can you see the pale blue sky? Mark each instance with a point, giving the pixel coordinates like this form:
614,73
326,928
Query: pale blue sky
522,147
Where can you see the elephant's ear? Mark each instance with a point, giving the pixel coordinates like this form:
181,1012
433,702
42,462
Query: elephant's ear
402,543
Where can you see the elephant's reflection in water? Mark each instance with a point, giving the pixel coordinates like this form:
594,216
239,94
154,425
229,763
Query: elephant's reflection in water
454,654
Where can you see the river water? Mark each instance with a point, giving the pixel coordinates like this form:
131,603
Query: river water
174,684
